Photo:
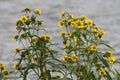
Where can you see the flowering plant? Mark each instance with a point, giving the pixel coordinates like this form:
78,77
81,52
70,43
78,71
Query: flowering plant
36,52
4,72
82,59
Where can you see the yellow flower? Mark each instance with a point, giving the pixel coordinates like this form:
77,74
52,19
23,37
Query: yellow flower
66,46
24,18
89,22
79,23
69,22
75,40
22,34
63,32
96,27
73,23
58,75
16,22
15,65
94,30
78,78
6,71
94,47
2,66
74,18
62,13
34,58
48,37
86,27
102,72
80,27
64,58
7,79
28,9
22,53
102,32
111,59
45,37
34,39
16,49
99,35
83,17
73,57
37,11
69,35
60,24
109,53
39,73
27,56
64,20
14,37
71,15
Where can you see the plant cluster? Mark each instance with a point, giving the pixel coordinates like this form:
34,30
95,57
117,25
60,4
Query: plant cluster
36,51
82,58
4,72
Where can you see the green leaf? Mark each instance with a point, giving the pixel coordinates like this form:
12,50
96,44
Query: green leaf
103,61
84,70
108,76
57,67
117,75
95,59
48,74
92,76
105,43
66,78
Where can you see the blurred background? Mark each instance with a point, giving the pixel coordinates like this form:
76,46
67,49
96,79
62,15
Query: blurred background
105,13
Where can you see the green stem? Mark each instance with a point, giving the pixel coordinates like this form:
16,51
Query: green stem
25,74
89,70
